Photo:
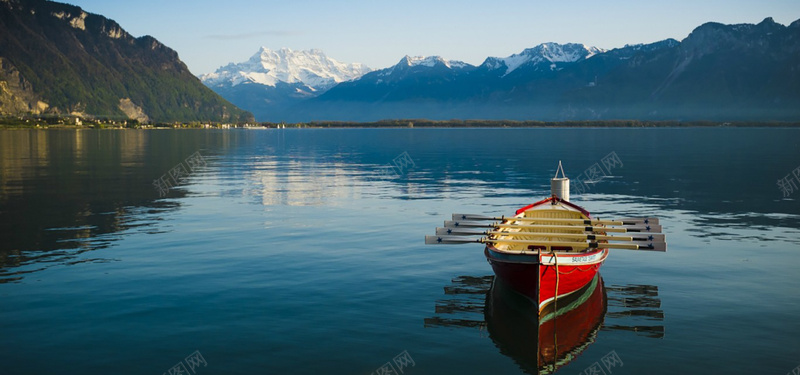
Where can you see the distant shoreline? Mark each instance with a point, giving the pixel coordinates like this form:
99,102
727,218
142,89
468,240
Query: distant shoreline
539,124
66,123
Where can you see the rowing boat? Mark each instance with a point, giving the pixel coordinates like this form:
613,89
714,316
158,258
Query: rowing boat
551,249
544,271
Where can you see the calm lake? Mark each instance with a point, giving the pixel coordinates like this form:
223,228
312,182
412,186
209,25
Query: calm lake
300,251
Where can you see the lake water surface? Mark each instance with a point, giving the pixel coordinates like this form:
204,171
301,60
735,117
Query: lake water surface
300,251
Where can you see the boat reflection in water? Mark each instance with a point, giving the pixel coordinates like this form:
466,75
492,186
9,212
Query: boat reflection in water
544,345
562,333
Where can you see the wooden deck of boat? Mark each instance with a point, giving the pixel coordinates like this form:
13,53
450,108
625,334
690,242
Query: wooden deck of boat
546,212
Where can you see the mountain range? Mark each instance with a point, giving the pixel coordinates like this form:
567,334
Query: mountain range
57,60
719,72
273,81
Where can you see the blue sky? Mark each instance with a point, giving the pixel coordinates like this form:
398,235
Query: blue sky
208,34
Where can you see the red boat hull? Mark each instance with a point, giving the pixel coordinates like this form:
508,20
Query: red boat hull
535,275
546,277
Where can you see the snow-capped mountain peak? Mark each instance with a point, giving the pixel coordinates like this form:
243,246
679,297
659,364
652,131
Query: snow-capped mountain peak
551,53
431,61
267,67
570,52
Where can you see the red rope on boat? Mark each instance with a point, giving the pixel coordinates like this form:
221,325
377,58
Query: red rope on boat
555,314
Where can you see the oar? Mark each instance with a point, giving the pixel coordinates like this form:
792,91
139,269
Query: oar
467,224
453,240
627,221
648,237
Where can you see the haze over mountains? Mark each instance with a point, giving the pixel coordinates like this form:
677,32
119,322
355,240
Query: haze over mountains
719,72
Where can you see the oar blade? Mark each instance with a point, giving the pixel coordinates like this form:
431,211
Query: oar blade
654,246
465,224
449,240
640,237
459,232
638,220
471,217
644,228
646,246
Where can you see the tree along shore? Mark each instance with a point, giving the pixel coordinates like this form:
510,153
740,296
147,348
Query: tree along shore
75,122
